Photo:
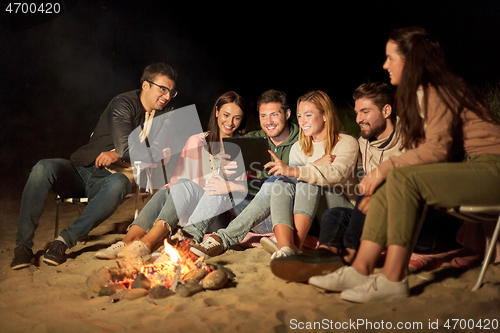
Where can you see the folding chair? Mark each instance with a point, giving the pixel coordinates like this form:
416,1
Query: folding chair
481,214
80,202
477,214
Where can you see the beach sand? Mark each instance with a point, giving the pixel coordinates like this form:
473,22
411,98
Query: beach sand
56,299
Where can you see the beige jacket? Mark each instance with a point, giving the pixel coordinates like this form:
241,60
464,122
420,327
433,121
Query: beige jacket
374,152
340,171
479,137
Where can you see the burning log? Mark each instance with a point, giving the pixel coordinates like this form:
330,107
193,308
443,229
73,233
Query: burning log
117,274
141,281
177,278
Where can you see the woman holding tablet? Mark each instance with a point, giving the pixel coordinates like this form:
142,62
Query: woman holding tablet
196,191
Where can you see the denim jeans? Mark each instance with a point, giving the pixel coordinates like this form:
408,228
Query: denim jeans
290,197
264,227
250,217
342,227
186,202
105,190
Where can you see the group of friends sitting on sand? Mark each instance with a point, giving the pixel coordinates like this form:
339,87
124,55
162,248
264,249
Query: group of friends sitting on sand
426,139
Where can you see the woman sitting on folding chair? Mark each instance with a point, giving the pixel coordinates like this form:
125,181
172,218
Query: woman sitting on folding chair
439,116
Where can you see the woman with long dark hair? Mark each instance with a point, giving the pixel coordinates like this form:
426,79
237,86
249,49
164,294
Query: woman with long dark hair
195,193
441,120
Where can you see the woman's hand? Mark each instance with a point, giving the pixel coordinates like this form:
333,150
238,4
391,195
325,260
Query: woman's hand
217,186
279,168
228,167
371,182
325,159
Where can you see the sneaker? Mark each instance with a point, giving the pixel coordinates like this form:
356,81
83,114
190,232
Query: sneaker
22,257
342,279
135,250
111,252
285,251
377,288
210,247
56,254
269,245
302,266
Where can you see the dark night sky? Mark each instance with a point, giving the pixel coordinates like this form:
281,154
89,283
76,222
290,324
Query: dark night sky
58,74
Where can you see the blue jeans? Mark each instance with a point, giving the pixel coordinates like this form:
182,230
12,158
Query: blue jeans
105,190
290,197
253,214
185,202
341,227
264,227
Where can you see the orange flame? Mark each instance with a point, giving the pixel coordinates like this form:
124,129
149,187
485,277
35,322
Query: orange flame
172,253
162,271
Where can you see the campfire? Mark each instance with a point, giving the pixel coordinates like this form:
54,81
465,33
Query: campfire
174,271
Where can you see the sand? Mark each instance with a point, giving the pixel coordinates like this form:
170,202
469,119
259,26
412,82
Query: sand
56,299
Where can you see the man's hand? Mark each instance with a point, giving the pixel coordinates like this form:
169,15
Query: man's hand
106,158
325,159
364,204
371,182
279,168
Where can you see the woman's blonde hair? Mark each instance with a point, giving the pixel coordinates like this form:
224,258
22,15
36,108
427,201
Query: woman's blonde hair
332,125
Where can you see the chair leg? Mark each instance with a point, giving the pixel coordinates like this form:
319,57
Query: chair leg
487,260
136,201
56,230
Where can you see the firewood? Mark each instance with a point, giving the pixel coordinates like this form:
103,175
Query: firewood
159,292
141,281
185,290
111,289
215,280
99,279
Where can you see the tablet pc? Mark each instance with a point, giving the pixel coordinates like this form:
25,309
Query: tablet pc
252,150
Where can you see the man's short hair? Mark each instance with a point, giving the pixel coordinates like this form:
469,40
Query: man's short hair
379,92
151,71
273,96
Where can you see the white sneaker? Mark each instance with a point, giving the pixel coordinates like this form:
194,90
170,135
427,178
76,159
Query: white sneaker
137,249
285,251
111,252
269,245
342,279
377,288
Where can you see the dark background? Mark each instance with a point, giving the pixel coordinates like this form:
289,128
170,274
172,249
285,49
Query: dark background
59,72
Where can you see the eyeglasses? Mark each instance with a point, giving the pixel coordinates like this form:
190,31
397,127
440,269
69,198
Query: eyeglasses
165,90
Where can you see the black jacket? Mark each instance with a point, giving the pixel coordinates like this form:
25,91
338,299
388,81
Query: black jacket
123,114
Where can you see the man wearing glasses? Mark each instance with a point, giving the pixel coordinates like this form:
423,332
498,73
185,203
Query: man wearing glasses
100,170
